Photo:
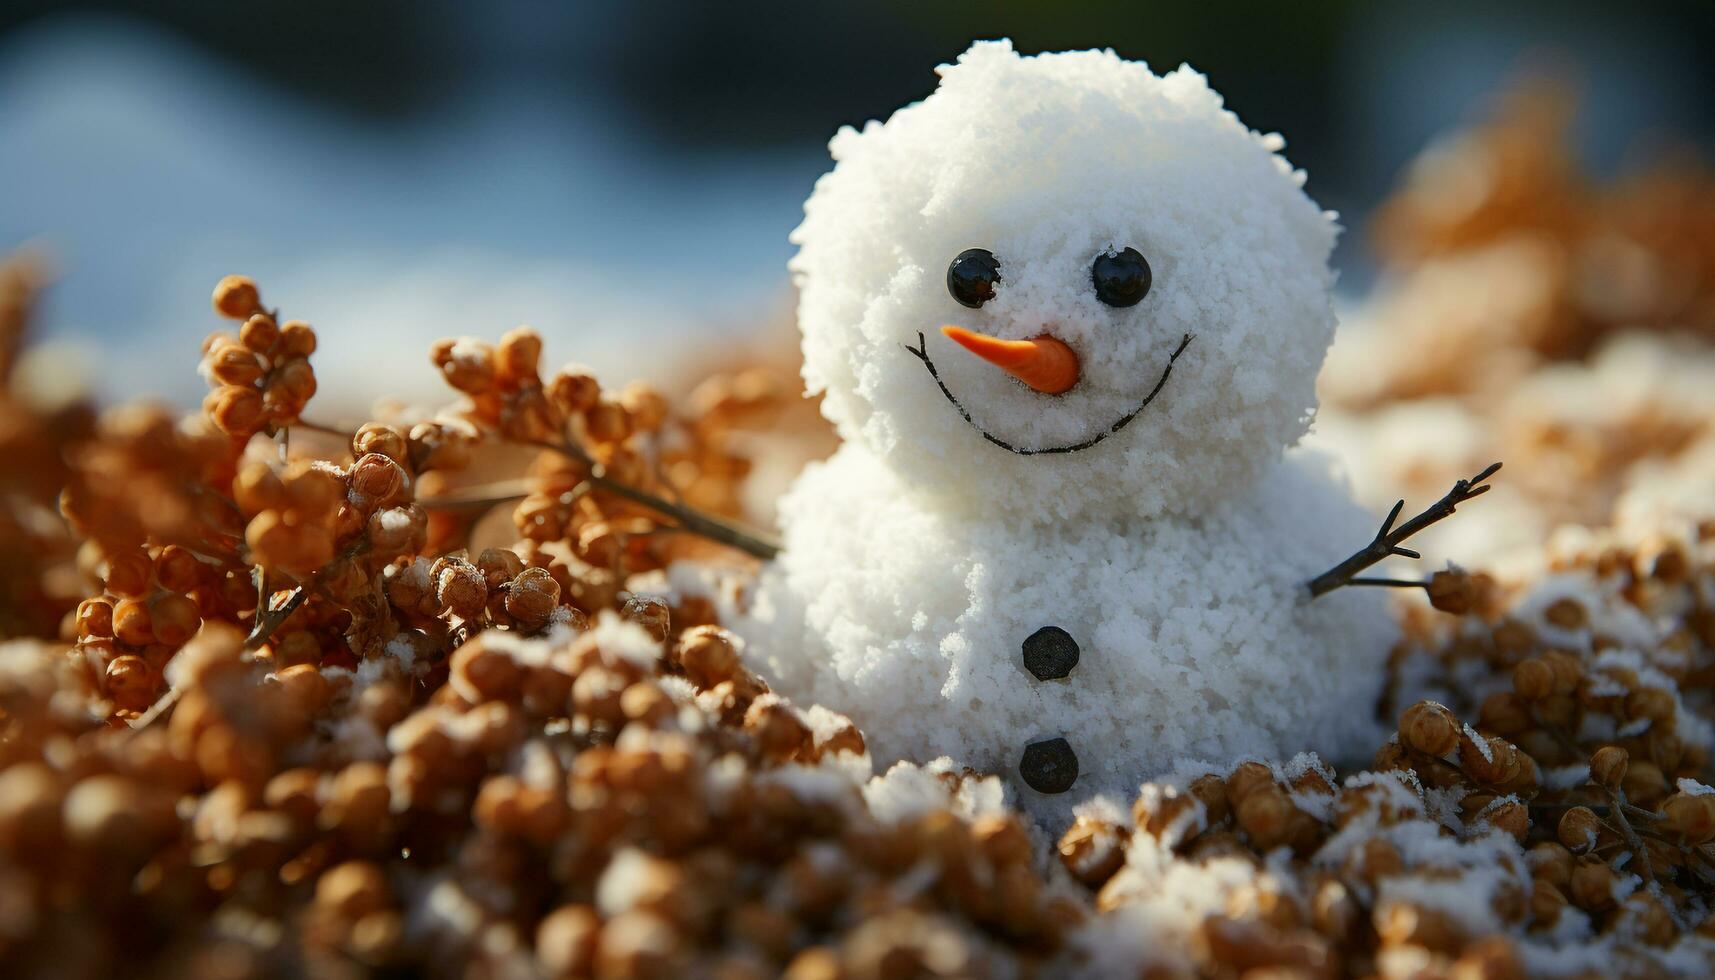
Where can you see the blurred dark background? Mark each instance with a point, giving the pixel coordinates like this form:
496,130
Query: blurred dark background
395,171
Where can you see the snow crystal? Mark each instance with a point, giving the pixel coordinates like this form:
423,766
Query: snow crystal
907,791
622,638
622,881
824,724
827,782
1564,777
1481,743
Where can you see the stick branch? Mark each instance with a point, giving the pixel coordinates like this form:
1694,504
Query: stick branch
689,520
1386,543
269,620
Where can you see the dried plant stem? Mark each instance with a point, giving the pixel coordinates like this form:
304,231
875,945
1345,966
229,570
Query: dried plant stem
332,430
689,520
1386,543
271,619
1617,798
480,495
157,710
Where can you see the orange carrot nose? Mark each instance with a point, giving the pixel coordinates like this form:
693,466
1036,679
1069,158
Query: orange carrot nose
1044,363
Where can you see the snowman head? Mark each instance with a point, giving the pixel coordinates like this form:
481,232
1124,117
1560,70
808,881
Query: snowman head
1073,217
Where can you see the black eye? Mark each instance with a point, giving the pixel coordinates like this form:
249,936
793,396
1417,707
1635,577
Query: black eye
1122,278
972,276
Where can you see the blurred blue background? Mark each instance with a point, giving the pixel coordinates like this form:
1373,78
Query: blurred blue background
623,176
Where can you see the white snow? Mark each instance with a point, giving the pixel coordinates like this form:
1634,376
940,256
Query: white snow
1197,639
921,556
1046,161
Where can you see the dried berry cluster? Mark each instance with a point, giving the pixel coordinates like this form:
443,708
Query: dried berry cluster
1589,259
305,724
596,800
37,582
260,376
1531,313
297,732
1566,828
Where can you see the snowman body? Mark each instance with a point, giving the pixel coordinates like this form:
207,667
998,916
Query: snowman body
1195,637
1070,220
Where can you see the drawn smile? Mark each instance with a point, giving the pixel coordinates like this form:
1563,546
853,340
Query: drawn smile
921,352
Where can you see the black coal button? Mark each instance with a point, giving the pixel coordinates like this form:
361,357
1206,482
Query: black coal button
1050,653
1049,766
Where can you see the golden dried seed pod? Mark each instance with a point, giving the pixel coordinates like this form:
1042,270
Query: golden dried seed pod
1246,778
1579,828
1511,816
179,570
313,491
540,518
1452,591
532,597
1547,901
519,355
1430,728
1265,814
236,297
466,364
460,587
1644,783
397,530
132,624
94,618
1608,766
235,409
484,673
499,566
376,481
1567,613
296,378
234,365
707,654
353,889
574,390
566,941
296,340
175,618
607,422
1593,885
1652,703
780,735
599,544
1568,672
1505,713
1092,850
1161,808
1211,790
378,437
646,406
1550,861
257,488
1689,816
131,682
650,612
1533,680
260,333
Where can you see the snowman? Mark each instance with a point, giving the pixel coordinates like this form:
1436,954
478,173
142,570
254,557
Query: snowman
1067,316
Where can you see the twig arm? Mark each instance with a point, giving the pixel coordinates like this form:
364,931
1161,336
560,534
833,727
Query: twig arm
1387,541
